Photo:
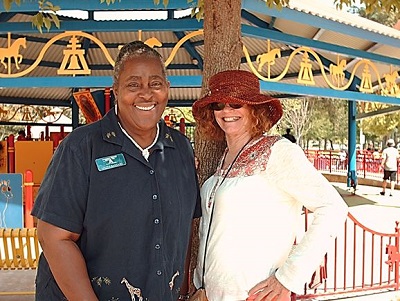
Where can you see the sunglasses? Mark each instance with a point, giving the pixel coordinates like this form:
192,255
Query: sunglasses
218,106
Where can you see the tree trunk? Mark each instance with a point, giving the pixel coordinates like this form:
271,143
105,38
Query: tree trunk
222,51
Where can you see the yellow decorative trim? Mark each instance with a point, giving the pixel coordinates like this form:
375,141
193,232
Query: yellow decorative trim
76,59
74,63
12,52
336,79
337,72
305,74
179,44
268,58
52,41
391,87
29,113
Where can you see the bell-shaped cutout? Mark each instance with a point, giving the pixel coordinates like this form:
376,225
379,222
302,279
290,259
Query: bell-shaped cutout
73,64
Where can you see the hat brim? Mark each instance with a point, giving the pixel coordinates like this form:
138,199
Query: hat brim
274,105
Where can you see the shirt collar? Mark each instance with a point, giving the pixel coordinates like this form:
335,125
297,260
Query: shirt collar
145,151
114,133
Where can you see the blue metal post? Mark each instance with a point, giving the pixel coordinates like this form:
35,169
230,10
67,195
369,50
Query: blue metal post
75,114
352,138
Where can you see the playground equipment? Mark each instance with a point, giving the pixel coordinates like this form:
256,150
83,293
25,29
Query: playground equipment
19,248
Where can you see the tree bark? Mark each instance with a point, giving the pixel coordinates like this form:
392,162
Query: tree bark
222,51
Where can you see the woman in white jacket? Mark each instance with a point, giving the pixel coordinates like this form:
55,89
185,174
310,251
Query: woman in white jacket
252,205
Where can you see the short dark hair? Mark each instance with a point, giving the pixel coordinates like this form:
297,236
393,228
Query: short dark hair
135,49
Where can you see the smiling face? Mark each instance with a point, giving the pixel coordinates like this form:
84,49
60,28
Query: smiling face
234,122
142,95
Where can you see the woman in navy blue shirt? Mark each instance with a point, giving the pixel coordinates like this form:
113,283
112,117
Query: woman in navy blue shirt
116,205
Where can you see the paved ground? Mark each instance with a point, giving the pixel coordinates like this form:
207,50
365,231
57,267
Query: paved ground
17,285
377,212
367,205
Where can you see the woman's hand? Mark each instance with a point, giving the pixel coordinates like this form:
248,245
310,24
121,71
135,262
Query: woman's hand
269,290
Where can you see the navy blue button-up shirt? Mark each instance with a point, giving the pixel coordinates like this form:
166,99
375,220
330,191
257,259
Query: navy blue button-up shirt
134,216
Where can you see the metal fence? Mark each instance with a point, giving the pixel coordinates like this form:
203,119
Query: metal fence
368,165
359,260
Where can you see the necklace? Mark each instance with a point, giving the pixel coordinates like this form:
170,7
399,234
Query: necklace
145,151
225,174
211,202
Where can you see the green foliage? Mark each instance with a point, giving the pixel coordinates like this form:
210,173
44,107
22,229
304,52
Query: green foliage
372,6
108,2
197,11
7,4
165,2
277,3
7,130
316,119
297,116
380,16
46,16
380,125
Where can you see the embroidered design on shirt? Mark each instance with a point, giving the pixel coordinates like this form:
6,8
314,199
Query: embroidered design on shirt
110,162
111,134
101,280
253,159
171,283
168,136
133,291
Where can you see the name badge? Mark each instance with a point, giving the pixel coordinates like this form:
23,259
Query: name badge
110,162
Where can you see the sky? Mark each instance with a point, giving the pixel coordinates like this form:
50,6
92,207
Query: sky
149,15
122,15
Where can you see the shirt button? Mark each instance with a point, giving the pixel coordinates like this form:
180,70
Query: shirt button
159,272
151,172
157,247
155,197
156,221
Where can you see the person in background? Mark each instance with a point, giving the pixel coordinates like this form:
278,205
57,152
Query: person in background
251,206
116,205
289,136
389,164
21,135
370,147
376,154
342,159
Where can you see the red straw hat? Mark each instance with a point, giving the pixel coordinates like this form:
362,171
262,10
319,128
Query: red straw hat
238,86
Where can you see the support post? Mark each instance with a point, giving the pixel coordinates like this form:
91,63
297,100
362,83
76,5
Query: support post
28,196
11,153
107,100
396,263
352,138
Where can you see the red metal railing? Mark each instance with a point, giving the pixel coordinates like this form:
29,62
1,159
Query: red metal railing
368,165
359,260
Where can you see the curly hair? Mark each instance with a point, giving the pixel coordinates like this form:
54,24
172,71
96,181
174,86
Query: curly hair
209,129
132,50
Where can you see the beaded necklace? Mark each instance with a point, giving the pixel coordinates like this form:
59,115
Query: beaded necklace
225,174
